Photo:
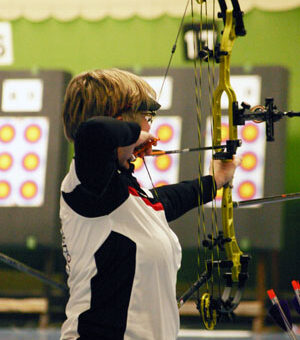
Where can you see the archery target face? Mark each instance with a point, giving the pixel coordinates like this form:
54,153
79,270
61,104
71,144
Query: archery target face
23,153
248,182
163,169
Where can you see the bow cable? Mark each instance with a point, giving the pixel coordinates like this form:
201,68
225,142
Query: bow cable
198,77
204,303
174,47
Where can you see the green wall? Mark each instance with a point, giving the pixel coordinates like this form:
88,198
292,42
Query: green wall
273,38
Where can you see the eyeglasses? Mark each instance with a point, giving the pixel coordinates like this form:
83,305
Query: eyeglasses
149,116
149,119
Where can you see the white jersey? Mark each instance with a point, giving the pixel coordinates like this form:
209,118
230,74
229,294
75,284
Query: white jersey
122,257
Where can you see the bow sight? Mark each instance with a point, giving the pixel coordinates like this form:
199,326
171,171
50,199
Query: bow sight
268,113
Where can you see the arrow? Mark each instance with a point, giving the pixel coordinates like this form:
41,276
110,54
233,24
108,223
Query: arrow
33,272
167,152
231,146
281,314
296,300
269,199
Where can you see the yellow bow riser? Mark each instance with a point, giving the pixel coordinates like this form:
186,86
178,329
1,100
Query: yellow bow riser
232,249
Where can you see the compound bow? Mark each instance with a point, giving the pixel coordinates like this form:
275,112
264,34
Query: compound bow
235,263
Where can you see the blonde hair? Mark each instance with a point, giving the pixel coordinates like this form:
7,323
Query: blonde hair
111,93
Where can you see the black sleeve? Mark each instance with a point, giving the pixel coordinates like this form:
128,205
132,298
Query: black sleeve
96,144
179,198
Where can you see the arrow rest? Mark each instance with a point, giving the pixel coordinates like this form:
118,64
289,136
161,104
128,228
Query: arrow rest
231,147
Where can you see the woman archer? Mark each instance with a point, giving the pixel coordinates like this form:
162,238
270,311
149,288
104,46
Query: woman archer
122,257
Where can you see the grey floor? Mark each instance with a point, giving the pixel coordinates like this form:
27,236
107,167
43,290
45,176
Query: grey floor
53,334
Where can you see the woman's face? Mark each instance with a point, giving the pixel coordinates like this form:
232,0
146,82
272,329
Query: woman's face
146,121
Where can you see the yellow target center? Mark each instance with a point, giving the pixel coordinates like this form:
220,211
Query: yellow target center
138,164
249,161
33,133
224,132
7,133
246,190
4,189
165,133
31,161
160,183
28,190
163,163
6,161
250,132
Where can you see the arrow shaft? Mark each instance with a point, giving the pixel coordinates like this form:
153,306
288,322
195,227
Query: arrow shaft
265,200
167,152
33,272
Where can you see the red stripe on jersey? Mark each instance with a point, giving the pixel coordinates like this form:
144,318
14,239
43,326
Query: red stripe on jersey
156,206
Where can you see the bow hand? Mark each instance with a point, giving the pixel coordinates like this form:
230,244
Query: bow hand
223,171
